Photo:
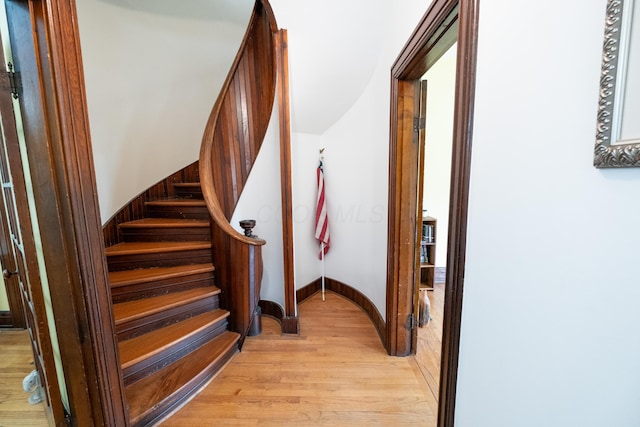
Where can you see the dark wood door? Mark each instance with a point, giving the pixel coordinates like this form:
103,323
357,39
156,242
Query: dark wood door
421,129
22,268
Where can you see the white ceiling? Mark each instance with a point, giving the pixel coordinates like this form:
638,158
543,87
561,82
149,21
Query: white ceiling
333,47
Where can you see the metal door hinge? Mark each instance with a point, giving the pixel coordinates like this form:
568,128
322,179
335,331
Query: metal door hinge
411,322
419,123
14,81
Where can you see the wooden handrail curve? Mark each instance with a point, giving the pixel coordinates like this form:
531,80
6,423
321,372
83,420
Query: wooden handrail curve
232,139
239,120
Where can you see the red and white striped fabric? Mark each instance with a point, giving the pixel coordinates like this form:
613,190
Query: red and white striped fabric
322,221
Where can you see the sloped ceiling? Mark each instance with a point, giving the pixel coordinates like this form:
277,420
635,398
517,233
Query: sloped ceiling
234,11
333,48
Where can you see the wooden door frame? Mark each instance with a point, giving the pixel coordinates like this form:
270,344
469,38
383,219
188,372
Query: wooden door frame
409,67
65,196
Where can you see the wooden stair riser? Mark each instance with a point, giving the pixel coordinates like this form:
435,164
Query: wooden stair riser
183,212
169,345
169,355
158,259
155,288
166,407
191,374
134,328
165,234
188,190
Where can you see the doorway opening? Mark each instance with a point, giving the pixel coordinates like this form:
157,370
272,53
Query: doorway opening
424,47
433,199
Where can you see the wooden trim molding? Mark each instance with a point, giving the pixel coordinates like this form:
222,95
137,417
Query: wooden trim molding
411,64
272,309
288,324
349,293
67,208
308,290
459,206
6,319
282,59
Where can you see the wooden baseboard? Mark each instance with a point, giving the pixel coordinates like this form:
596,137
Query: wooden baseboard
308,290
288,324
351,294
6,319
291,325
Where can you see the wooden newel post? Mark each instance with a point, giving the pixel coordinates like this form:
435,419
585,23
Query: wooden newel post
255,327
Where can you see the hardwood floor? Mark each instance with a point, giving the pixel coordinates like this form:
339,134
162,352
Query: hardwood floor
336,373
16,363
430,343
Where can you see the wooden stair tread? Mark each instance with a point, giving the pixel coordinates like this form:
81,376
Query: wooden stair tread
144,346
145,395
132,310
135,248
165,222
177,202
142,275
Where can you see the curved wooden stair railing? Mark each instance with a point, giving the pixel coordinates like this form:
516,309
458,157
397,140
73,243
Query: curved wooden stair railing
177,324
232,138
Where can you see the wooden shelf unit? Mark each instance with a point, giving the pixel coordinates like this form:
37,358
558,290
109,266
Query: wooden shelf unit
427,252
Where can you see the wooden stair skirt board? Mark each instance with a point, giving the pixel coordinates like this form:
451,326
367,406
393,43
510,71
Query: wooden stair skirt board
172,334
351,294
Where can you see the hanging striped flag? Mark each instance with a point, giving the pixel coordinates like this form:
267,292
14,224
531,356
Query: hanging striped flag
322,221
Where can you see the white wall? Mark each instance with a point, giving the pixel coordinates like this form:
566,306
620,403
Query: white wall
441,80
356,141
153,70
549,332
550,313
150,86
261,200
4,299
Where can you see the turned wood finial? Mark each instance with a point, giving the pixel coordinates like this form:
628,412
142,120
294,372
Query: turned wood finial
247,225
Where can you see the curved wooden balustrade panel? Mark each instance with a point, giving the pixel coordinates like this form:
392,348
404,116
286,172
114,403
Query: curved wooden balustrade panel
232,138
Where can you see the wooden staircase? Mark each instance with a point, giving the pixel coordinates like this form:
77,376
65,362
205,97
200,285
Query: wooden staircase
172,334
171,322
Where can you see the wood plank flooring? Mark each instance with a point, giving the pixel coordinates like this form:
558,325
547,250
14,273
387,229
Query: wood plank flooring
336,373
430,343
16,363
